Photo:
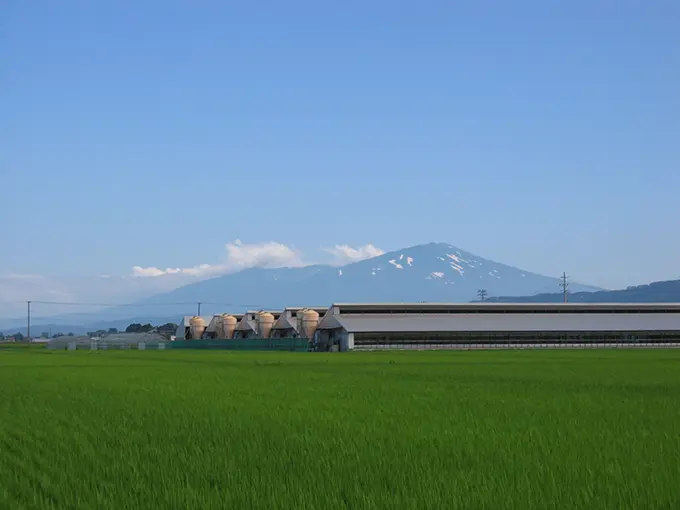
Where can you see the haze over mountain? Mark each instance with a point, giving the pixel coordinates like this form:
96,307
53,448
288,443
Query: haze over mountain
657,292
431,272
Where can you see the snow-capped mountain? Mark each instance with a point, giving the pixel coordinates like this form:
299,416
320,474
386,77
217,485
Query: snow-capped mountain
432,272
435,272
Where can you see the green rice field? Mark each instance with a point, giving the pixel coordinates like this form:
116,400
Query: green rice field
590,429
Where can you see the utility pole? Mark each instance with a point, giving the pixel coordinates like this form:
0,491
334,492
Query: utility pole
199,308
564,286
28,328
481,294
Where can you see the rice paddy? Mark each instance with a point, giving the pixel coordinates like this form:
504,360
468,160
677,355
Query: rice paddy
390,430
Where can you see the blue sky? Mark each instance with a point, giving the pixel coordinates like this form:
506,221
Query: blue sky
153,133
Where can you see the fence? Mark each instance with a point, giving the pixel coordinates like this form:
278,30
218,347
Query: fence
249,344
522,346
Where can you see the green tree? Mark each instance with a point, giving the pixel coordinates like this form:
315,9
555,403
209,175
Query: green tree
167,330
135,327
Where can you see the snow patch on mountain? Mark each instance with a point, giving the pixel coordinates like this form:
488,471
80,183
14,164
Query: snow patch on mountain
409,261
396,264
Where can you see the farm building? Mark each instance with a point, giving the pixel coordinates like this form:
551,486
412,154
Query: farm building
112,341
222,325
256,324
61,342
184,329
349,326
289,324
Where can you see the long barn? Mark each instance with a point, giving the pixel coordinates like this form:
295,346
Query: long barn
348,326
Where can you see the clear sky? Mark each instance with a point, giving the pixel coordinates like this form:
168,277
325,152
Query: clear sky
544,135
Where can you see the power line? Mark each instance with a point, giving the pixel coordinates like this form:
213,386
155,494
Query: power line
28,326
135,305
564,285
139,305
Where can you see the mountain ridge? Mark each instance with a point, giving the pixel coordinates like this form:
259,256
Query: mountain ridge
434,272
667,291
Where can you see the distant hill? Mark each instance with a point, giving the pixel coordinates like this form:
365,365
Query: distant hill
434,272
430,272
657,292
42,326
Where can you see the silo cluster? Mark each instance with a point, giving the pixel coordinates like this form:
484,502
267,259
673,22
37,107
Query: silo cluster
295,322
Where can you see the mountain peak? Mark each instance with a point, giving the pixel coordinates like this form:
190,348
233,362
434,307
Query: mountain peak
433,272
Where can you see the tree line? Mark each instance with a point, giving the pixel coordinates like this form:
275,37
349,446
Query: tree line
166,330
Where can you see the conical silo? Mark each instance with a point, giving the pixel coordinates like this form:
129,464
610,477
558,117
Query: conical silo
197,327
265,321
308,322
229,323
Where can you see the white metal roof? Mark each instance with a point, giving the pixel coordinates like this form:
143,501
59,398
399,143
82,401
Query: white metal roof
187,319
288,319
284,322
275,313
212,326
364,323
246,325
318,309
486,307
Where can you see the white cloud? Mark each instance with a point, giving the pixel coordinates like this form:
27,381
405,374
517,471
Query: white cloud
147,271
200,270
345,254
239,256
270,254
16,288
